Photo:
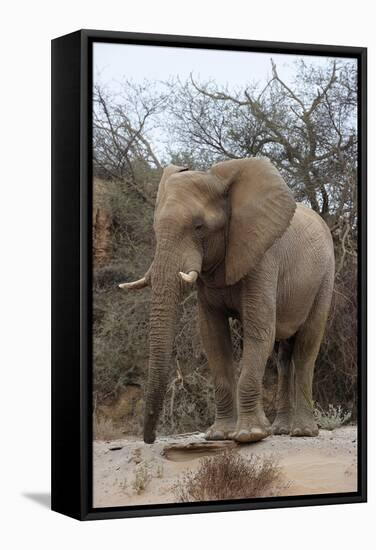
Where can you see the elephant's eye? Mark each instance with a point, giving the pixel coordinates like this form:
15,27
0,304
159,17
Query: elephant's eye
198,225
199,229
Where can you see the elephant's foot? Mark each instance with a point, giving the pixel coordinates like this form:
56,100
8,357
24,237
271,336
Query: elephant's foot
281,424
251,429
304,425
221,429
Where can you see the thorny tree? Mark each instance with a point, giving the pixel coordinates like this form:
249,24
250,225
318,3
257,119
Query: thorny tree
120,125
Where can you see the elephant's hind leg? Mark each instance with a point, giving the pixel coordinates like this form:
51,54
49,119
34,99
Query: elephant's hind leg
285,393
306,349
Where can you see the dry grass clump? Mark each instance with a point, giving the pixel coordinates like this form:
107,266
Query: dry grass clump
332,418
144,474
228,476
142,478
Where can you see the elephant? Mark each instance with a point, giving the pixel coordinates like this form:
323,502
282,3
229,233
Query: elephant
255,254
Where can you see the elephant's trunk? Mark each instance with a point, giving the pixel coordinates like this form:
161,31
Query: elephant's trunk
166,290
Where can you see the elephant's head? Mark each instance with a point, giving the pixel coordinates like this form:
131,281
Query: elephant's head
222,220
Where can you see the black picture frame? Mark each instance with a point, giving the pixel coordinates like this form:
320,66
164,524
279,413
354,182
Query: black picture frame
72,278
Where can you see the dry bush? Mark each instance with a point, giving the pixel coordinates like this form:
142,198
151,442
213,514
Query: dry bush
332,418
189,404
121,319
120,341
228,476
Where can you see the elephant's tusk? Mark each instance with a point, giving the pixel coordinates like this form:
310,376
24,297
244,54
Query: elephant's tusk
190,277
141,283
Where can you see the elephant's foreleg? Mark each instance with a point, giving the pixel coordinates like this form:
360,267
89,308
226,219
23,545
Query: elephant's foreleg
285,393
258,318
252,423
215,334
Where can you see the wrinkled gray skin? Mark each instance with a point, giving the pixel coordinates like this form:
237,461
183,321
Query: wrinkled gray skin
261,258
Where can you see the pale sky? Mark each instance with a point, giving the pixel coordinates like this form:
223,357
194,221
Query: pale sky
114,62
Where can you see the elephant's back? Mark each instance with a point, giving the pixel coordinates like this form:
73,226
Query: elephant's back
309,234
308,217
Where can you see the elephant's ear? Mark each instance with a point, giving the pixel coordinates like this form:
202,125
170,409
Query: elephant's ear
167,172
261,207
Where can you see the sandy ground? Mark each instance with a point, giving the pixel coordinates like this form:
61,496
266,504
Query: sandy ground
324,464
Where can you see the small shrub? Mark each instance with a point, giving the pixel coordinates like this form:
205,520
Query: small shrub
332,418
228,476
142,478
